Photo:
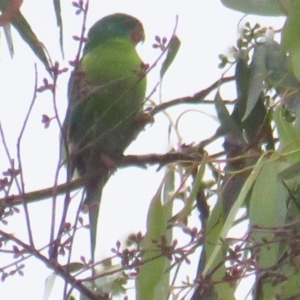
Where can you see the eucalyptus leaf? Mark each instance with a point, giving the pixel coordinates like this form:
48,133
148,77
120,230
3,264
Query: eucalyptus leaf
290,172
258,74
27,34
267,209
228,127
290,37
49,283
280,75
150,279
171,54
9,40
57,9
258,7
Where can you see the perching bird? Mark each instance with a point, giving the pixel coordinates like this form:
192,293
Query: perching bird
106,96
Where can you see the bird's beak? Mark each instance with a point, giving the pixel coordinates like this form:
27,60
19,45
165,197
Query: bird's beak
138,34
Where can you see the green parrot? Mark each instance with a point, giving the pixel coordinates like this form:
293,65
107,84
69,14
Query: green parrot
106,96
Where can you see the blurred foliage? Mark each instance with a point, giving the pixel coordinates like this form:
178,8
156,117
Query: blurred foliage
261,7
13,16
260,175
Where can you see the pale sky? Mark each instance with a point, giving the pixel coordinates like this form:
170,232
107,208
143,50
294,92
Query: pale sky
205,29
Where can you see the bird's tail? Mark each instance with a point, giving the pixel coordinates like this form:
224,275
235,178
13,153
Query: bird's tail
93,190
93,198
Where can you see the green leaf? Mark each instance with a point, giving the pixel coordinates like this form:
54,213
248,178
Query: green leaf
57,10
276,63
290,172
281,76
8,37
289,136
186,210
242,75
74,267
290,37
150,279
258,7
167,201
289,289
227,124
257,123
171,54
25,31
267,208
49,283
258,73
218,226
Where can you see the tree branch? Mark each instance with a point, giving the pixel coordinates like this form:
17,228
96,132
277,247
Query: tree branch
126,161
195,99
57,268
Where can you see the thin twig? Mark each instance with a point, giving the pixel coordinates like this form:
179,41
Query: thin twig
22,191
57,268
195,99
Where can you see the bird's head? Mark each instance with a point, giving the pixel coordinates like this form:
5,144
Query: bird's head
115,26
